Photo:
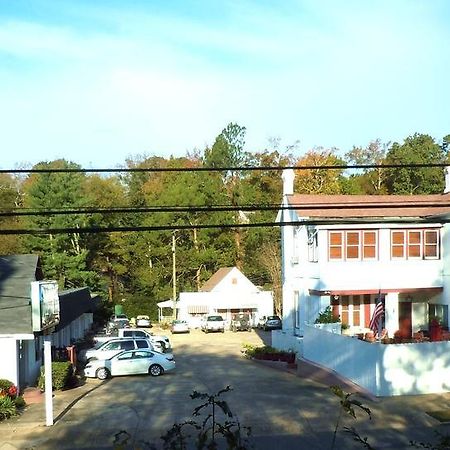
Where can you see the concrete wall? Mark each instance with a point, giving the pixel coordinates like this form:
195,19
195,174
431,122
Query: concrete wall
283,340
384,370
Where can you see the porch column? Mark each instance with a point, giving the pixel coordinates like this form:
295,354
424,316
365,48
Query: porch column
391,313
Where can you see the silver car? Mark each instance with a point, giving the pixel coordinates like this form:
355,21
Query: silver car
131,362
110,348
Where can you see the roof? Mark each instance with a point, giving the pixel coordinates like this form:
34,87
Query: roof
16,274
369,206
73,303
216,279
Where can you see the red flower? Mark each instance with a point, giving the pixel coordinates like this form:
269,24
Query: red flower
12,391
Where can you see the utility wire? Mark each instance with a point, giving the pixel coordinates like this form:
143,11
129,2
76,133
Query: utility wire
213,208
226,169
122,229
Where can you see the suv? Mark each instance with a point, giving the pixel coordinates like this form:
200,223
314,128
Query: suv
106,350
270,323
240,322
213,323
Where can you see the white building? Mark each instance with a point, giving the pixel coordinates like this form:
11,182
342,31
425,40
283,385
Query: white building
348,251
21,349
227,292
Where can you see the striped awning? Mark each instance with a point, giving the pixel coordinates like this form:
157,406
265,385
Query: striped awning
197,309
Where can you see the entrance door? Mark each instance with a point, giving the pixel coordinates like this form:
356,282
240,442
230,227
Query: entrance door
404,319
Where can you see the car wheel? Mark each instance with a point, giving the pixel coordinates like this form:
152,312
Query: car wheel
102,373
155,370
223,330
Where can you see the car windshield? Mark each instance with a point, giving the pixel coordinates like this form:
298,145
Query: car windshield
215,318
273,318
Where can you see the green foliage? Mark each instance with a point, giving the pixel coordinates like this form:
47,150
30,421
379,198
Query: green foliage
62,372
250,350
327,316
5,384
416,149
20,402
7,407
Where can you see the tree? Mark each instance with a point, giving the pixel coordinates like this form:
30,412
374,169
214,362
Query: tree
416,149
319,181
372,180
64,256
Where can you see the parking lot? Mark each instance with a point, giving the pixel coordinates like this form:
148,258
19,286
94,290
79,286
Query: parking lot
284,410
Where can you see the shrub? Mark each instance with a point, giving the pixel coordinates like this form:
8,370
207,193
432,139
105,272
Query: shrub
327,316
7,407
20,402
5,384
61,375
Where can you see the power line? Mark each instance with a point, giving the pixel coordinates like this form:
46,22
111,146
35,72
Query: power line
123,229
226,169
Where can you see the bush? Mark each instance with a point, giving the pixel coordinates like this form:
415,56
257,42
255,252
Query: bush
62,373
7,407
327,316
5,384
20,402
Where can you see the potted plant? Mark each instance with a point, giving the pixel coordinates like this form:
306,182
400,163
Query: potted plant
326,320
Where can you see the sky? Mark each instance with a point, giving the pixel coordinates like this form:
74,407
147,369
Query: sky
100,81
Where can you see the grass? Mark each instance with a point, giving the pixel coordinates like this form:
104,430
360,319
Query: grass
442,415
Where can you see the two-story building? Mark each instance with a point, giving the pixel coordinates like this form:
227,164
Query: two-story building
351,251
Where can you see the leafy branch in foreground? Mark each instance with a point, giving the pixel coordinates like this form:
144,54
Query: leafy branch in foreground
348,405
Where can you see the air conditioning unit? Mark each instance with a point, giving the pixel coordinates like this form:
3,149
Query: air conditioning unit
295,260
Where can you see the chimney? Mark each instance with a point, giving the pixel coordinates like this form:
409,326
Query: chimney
288,176
447,180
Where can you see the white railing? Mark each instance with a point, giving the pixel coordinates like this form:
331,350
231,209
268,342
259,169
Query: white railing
382,369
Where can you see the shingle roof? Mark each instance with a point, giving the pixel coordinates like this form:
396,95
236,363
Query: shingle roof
16,274
216,279
376,206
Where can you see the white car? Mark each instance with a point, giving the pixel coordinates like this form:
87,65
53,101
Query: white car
110,348
130,362
179,326
143,321
213,323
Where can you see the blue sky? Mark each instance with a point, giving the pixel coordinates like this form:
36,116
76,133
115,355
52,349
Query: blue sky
96,82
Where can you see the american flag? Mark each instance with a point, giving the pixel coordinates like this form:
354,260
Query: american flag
378,313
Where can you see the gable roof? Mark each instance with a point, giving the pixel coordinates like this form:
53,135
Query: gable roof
369,206
16,274
216,279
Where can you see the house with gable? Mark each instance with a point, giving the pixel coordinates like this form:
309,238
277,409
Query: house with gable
227,292
350,252
21,348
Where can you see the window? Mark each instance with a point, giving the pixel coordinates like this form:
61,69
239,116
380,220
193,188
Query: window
353,245
312,245
127,345
142,344
127,355
415,244
112,346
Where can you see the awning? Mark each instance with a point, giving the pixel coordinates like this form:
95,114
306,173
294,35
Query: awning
431,289
197,309
166,304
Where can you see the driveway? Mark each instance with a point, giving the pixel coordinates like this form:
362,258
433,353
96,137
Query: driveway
284,410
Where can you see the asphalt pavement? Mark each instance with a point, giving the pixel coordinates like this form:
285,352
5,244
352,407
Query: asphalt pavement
287,408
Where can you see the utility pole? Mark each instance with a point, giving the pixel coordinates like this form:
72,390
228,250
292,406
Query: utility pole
174,277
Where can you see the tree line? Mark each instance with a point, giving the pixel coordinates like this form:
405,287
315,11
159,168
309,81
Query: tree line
135,268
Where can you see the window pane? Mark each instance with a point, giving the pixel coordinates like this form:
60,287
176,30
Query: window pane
414,237
414,251
336,238
397,252
398,237
352,238
431,237
369,238
352,252
335,253
369,252
431,251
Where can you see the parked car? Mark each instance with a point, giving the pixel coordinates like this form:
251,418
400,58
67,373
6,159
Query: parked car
212,323
131,362
110,348
240,322
160,343
179,326
270,323
143,321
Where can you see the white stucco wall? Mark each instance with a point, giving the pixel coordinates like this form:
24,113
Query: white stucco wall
384,370
9,368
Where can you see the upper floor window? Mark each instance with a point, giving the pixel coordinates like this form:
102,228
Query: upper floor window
415,244
353,245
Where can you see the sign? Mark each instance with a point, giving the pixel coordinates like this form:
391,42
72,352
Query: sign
44,305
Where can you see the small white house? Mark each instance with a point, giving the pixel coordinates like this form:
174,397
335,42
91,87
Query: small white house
227,292
351,251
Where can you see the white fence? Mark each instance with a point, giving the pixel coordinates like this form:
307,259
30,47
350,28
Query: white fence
382,369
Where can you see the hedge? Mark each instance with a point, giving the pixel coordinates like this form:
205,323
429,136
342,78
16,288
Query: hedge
62,372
